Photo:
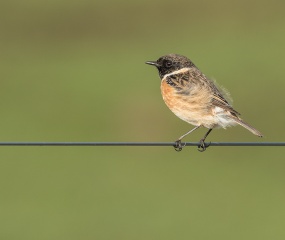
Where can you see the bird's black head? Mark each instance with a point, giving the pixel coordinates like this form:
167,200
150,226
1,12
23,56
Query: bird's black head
170,63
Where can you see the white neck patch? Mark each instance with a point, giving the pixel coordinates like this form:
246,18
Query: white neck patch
182,70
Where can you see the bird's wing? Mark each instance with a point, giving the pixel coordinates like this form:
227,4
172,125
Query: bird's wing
179,80
218,100
218,94
185,79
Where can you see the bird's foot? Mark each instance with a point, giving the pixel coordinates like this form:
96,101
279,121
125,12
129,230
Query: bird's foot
178,146
203,146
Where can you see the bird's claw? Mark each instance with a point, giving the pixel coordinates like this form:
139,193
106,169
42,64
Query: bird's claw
203,146
178,146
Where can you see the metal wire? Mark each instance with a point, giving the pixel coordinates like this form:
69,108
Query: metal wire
136,144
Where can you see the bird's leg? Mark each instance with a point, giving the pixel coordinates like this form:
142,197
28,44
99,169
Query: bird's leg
178,146
203,146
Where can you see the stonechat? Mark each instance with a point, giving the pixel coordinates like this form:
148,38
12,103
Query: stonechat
194,98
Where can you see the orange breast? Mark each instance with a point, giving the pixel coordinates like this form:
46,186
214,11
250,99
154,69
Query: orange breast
168,94
192,109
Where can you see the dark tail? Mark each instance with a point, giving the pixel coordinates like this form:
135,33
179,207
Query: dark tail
248,127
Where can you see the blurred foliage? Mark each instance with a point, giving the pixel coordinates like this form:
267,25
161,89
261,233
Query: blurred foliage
74,71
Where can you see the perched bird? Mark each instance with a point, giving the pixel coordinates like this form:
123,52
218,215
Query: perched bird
194,98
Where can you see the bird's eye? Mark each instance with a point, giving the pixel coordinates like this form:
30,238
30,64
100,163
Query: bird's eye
168,64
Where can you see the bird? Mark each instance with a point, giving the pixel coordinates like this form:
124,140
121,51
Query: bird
195,98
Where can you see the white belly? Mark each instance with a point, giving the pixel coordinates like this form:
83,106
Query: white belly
218,118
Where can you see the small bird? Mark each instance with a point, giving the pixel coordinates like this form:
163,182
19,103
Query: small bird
194,98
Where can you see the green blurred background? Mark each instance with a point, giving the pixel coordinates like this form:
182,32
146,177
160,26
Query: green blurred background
74,71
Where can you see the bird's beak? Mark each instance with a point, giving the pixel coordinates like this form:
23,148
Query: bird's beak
153,63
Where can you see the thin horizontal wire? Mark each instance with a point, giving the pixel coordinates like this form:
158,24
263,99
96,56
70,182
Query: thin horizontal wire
154,144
